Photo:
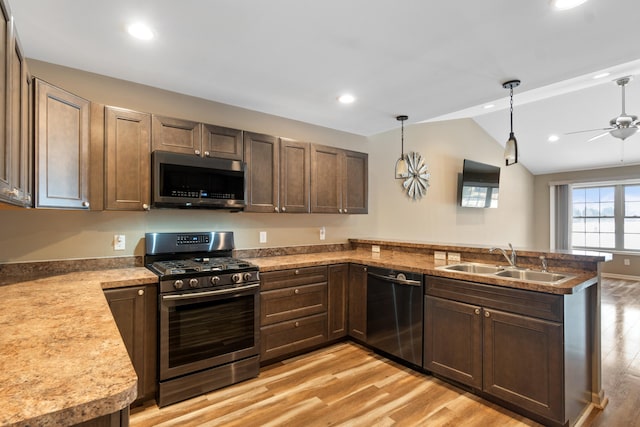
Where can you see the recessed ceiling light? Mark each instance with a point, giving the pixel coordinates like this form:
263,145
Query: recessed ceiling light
566,4
346,98
553,138
601,75
140,31
486,107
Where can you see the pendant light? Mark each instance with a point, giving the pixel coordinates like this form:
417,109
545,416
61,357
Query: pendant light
511,147
402,169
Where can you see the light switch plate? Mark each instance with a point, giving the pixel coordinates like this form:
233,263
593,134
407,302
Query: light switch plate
119,242
453,257
323,233
263,237
439,255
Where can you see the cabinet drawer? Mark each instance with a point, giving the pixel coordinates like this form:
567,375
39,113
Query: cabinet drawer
293,277
519,301
290,303
288,337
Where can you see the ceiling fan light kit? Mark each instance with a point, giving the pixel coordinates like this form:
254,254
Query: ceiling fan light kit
623,126
511,147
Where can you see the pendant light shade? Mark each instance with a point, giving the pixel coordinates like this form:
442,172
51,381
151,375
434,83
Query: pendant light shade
511,147
402,169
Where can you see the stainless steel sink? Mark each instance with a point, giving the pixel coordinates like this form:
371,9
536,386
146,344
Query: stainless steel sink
533,275
521,274
473,268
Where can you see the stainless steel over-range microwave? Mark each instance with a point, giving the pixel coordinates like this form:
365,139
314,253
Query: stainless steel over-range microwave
189,181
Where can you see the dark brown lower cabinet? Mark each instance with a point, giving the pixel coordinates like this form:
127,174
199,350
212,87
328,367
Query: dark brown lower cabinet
528,349
358,302
117,419
134,310
293,311
337,310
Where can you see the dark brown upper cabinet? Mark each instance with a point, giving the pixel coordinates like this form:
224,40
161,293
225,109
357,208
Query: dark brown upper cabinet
262,154
278,174
16,109
200,139
338,180
127,159
62,148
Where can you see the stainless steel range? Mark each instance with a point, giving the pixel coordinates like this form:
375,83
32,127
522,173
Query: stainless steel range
208,313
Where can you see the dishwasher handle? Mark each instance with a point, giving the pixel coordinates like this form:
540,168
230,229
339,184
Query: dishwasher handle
396,280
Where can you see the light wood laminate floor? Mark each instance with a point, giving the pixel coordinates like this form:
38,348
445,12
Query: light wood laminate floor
348,385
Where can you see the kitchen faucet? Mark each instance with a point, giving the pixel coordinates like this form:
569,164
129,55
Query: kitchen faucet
512,259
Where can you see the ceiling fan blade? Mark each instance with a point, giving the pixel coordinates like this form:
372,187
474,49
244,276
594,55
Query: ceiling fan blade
597,136
590,130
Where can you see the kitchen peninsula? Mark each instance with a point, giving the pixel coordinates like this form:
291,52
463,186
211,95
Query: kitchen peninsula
83,344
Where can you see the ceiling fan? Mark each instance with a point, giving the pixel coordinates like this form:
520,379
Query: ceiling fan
623,126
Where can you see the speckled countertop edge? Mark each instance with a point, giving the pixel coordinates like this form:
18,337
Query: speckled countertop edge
63,360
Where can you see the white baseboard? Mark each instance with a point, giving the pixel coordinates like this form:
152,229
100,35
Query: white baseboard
619,276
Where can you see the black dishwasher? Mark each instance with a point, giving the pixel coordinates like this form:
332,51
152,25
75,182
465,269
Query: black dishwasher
394,313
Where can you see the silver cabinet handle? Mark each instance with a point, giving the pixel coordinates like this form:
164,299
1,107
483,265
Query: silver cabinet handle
197,152
340,210
276,209
297,291
146,207
85,204
206,154
140,292
345,210
487,314
477,311
284,209
297,324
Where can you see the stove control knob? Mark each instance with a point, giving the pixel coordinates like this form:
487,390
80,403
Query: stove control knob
193,282
235,278
178,284
247,277
215,280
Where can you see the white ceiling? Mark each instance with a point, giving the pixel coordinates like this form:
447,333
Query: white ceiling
422,58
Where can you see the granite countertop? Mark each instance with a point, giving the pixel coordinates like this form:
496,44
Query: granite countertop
419,263
63,360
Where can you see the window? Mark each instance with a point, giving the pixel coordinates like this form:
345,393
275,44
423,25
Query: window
606,217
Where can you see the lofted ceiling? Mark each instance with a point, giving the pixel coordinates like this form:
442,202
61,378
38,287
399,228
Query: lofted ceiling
426,59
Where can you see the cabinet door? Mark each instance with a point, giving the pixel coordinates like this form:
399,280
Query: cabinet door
127,159
356,177
337,310
21,151
326,179
358,301
222,142
261,154
134,311
295,174
523,362
453,340
176,135
62,148
6,184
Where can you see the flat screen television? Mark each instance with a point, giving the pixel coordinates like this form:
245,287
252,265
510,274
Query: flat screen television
479,186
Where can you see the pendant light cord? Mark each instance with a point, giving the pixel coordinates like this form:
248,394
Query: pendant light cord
402,139
511,109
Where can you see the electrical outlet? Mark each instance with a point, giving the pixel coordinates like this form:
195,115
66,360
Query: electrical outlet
440,255
375,249
627,261
453,256
323,233
119,243
263,237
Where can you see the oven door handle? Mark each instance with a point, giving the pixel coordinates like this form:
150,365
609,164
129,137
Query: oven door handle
209,293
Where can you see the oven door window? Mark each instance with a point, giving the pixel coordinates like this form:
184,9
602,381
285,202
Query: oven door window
207,329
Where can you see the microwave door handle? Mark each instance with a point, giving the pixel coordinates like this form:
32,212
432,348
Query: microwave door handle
209,293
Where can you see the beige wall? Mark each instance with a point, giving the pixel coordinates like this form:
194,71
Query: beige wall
542,216
35,234
437,218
